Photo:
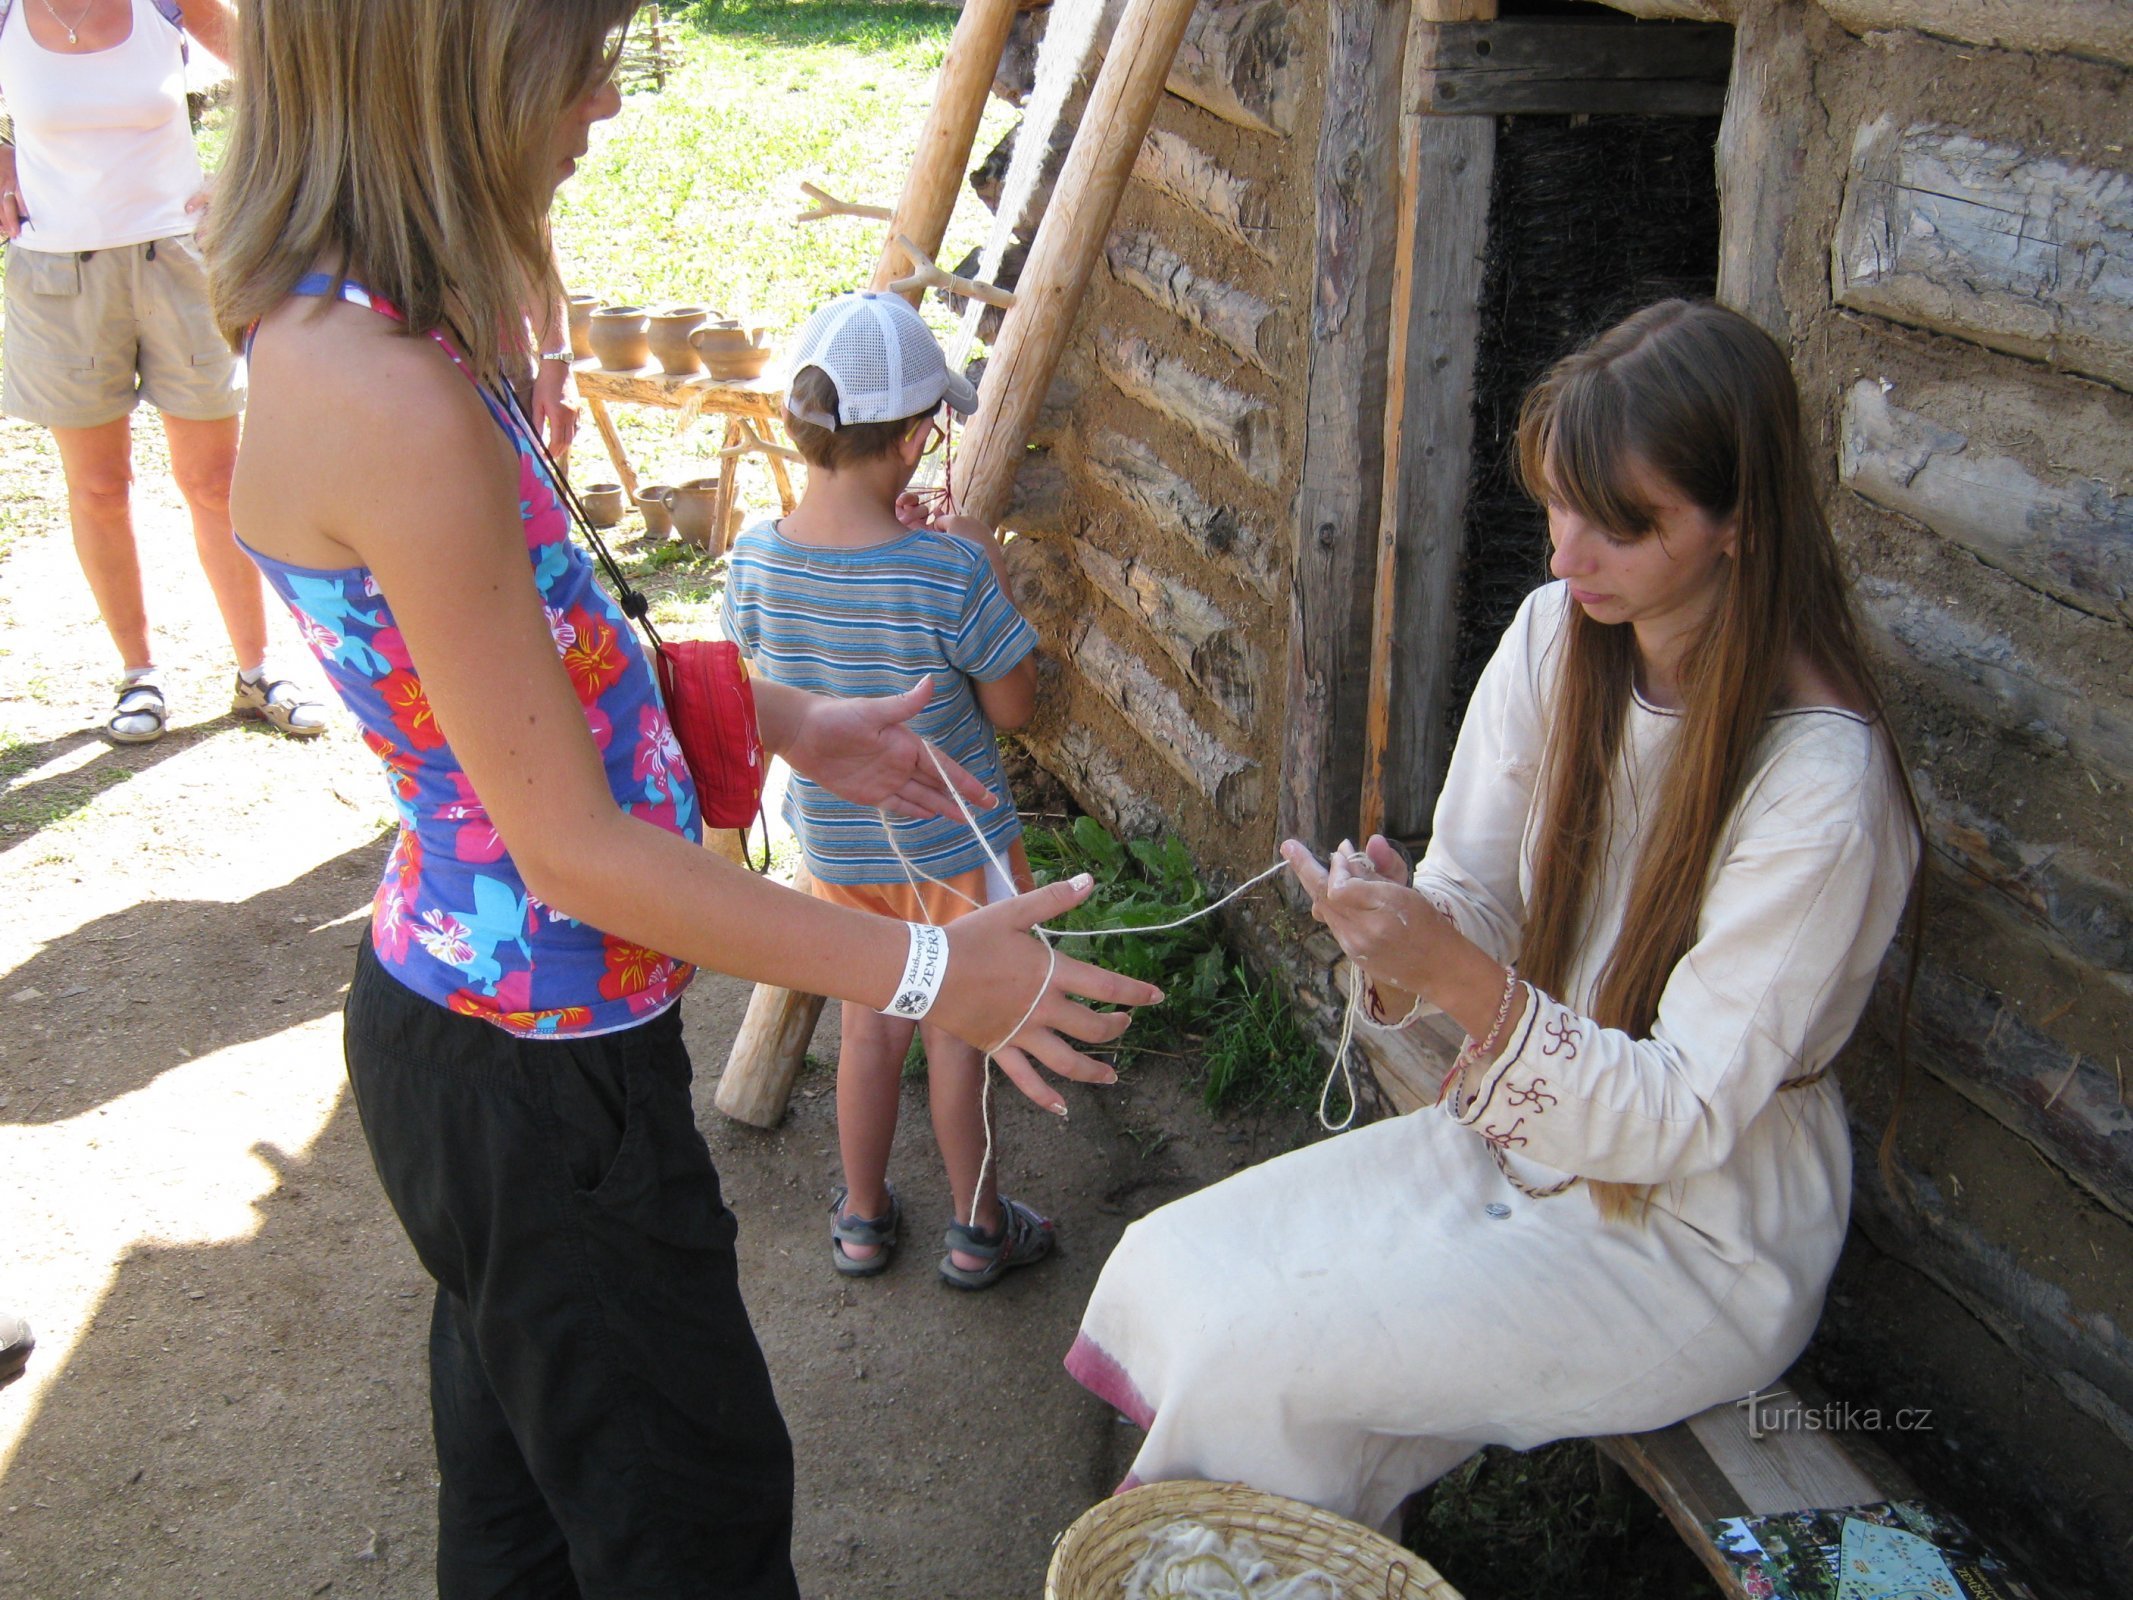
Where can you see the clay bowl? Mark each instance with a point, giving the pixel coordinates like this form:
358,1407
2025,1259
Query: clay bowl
670,330
653,501
692,507
602,503
730,352
621,337
581,310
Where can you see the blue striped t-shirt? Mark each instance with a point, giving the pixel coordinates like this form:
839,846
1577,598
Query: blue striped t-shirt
873,621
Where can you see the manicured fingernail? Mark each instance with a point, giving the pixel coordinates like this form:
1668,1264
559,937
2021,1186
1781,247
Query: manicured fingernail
1060,1111
1080,881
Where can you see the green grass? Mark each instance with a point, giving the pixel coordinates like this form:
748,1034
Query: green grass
690,194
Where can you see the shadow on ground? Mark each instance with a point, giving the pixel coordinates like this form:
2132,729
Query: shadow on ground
86,1019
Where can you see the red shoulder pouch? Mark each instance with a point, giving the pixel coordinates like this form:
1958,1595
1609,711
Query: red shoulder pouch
712,706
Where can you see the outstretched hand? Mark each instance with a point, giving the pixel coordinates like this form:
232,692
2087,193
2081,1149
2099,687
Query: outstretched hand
1006,994
861,751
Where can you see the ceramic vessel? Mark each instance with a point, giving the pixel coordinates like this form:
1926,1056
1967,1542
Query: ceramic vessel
670,332
731,352
692,507
602,503
653,501
581,310
621,337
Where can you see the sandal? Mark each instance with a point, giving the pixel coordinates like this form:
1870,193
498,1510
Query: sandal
139,715
281,703
880,1232
1023,1239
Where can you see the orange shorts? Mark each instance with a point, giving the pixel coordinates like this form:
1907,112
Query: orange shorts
940,902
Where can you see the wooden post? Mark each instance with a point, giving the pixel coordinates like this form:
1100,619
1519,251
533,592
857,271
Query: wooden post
769,1050
1068,242
1428,451
1356,180
959,96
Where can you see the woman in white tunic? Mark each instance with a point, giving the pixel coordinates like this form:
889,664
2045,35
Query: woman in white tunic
1676,807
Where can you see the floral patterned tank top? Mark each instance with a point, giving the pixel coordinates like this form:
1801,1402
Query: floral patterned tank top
453,919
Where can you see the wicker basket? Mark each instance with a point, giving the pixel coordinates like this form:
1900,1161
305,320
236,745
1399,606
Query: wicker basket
1095,1556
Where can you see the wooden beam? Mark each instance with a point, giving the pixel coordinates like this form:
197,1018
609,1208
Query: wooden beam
1355,179
767,1055
1131,470
1068,242
951,126
1240,60
1428,458
1233,424
1225,777
2013,248
1243,322
2064,534
1238,208
1205,642
1762,150
1556,65
2100,29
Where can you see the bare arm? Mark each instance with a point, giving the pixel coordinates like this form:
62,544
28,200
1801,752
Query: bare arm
214,24
1010,700
373,445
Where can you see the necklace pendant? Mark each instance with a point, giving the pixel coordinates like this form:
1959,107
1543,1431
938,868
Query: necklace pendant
71,37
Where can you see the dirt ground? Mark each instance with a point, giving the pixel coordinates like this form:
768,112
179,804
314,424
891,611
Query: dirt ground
228,1395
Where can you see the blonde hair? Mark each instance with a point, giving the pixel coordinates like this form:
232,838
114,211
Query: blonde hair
405,145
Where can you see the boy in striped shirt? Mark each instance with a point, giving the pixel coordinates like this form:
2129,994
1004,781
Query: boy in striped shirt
860,592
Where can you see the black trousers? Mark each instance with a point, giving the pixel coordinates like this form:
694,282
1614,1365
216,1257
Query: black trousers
604,1418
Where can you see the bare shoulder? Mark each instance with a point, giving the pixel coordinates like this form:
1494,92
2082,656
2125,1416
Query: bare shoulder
352,424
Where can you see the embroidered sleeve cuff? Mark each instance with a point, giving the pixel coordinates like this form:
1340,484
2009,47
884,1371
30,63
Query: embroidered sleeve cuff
1493,1073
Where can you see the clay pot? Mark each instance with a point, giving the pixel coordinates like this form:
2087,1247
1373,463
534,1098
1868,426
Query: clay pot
692,506
602,503
653,500
730,352
670,332
581,310
621,337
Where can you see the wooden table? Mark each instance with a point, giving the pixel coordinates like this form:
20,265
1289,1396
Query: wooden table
757,402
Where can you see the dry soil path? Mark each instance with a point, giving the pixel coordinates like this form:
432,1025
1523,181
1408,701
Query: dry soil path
228,1396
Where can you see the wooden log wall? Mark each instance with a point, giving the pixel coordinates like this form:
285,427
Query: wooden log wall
1953,272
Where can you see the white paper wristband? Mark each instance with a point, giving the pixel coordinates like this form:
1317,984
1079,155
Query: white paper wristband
924,967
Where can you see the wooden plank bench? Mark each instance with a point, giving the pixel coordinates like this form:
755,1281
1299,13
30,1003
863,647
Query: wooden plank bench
1721,1463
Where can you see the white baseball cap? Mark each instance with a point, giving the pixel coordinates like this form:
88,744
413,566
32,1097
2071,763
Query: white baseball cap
882,360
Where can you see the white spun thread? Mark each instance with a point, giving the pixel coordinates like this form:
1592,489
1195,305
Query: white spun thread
1044,936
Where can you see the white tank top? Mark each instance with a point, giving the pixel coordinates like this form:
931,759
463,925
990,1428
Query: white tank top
104,151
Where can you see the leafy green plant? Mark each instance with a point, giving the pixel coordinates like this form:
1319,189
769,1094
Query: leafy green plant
1255,1051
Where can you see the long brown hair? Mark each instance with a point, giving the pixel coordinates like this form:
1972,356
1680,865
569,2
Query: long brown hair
1703,398
409,144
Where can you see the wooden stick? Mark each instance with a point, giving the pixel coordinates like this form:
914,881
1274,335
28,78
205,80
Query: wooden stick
753,443
1068,241
828,205
926,273
768,1051
959,97
613,440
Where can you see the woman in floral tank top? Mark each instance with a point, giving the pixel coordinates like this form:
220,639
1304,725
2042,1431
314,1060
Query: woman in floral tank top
604,1421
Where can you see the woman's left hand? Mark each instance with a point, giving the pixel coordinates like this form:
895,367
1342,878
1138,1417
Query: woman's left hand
861,751
1385,927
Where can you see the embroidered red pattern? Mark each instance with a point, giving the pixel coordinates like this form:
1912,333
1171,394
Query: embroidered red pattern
1534,1095
1562,1039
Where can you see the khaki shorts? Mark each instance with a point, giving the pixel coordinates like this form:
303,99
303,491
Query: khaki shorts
90,335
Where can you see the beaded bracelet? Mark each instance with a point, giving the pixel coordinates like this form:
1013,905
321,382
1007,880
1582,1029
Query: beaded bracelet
1471,1052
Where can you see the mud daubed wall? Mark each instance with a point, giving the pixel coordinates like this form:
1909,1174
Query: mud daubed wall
1932,205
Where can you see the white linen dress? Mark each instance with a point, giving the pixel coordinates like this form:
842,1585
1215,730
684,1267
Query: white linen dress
1346,1323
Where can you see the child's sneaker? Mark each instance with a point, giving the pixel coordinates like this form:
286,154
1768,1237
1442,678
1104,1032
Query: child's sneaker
1023,1239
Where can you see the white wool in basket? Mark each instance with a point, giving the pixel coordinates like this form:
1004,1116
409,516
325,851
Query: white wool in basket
1191,1561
